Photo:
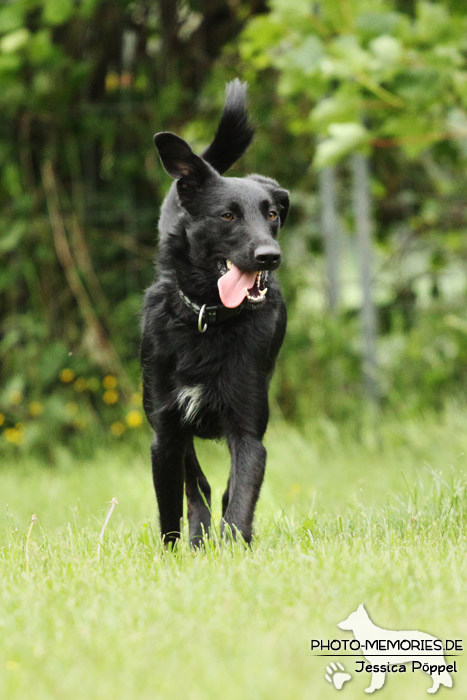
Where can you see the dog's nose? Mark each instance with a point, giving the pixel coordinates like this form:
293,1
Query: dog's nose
267,257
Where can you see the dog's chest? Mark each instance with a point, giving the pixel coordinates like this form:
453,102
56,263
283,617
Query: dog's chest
207,389
216,376
202,408
189,400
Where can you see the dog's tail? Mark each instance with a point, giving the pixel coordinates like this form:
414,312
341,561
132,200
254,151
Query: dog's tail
234,133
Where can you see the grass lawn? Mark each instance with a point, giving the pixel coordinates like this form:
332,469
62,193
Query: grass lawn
377,517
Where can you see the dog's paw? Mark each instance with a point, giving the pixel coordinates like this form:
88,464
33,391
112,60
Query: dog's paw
336,675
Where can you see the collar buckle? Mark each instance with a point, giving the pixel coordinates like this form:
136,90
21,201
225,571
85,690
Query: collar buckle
209,315
202,328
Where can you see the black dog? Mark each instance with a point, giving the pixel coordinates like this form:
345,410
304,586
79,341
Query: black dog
213,323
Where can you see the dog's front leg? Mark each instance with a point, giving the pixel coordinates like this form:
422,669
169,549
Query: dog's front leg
377,681
168,455
246,476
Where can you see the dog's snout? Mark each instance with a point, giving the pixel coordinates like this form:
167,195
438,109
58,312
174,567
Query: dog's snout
267,257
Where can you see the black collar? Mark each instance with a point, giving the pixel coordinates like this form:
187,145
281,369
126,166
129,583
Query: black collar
207,315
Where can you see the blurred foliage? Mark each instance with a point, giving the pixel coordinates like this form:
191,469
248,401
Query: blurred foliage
84,86
367,73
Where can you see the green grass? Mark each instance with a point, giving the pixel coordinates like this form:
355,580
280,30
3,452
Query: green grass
377,517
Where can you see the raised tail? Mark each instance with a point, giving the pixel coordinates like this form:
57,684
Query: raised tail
234,133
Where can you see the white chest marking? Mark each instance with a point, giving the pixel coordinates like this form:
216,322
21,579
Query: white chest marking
189,399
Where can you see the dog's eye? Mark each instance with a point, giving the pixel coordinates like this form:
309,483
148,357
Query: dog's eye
228,216
272,215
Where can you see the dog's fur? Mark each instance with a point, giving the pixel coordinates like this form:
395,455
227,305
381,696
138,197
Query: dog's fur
212,384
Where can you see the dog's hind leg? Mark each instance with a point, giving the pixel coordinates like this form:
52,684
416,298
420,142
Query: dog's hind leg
438,679
198,494
225,498
168,455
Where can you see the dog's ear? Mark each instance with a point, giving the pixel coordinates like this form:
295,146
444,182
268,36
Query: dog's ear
279,195
179,161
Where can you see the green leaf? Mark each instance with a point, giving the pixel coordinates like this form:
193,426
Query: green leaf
10,240
305,58
433,22
339,108
52,362
12,180
12,385
14,41
9,63
285,7
353,58
344,139
377,23
11,17
460,84
43,83
87,7
456,123
57,11
40,47
387,49
260,34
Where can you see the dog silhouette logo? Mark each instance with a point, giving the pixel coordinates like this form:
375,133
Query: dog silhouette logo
389,650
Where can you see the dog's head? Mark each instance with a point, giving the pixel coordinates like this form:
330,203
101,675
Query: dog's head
354,619
231,223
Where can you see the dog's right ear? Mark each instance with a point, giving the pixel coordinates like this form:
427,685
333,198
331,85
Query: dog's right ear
179,161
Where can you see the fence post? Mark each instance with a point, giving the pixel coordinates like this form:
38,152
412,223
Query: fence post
362,218
330,232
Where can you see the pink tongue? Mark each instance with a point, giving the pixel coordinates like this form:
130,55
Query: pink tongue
234,285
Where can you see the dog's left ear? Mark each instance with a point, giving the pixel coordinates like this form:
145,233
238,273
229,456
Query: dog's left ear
279,195
282,198
179,161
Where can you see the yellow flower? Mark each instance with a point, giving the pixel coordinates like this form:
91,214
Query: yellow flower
112,81
136,398
117,428
16,396
72,408
2,419
13,435
134,418
35,408
109,382
110,396
93,384
66,375
80,384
